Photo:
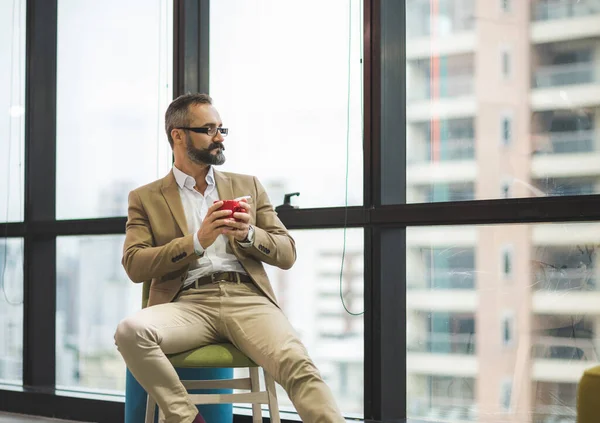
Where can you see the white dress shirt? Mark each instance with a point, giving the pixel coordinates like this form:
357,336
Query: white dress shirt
216,258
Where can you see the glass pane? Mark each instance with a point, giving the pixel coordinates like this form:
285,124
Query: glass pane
309,294
11,310
93,295
292,97
114,85
476,131
12,105
501,320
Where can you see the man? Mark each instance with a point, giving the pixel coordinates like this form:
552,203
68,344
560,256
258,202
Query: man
208,281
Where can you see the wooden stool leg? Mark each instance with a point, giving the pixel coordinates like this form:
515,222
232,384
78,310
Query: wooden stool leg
150,407
255,383
272,393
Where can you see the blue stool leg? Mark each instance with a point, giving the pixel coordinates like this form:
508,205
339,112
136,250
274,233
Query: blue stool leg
135,396
135,400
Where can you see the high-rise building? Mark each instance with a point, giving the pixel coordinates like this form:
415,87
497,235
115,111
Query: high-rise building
503,100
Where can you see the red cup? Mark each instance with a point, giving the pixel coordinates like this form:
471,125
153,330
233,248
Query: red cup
232,205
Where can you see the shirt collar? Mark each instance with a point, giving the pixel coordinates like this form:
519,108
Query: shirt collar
186,181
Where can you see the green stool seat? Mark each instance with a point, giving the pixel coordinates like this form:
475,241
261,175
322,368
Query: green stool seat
217,355
588,392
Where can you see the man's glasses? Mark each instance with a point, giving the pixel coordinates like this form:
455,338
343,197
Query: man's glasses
211,130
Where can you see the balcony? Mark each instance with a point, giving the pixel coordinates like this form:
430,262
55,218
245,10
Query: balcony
563,9
563,348
442,26
458,192
443,343
447,86
564,371
447,97
585,165
575,189
566,280
565,302
567,86
451,26
566,74
442,408
451,17
423,48
563,20
435,236
443,150
456,365
461,279
567,142
430,300
421,175
555,413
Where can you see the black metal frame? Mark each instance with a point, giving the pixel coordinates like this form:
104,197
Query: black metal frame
384,215
40,197
191,46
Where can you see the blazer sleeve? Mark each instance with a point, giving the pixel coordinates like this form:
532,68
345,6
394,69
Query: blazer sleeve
143,260
272,242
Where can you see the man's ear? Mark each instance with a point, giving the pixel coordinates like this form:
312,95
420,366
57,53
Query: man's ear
177,135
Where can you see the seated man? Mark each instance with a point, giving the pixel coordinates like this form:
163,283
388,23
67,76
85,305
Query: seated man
208,281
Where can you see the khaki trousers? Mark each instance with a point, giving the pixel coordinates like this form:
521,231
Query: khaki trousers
217,313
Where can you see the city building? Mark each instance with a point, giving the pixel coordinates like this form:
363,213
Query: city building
503,101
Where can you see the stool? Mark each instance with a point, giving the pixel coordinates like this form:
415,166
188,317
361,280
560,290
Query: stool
136,397
224,356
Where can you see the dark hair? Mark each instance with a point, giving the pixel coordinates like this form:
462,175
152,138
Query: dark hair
177,112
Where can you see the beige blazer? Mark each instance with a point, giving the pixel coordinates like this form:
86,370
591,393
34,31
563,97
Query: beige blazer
159,246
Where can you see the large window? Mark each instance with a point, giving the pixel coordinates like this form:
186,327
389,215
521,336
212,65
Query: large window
538,330
113,86
12,104
93,295
291,96
292,99
542,123
324,304
12,186
316,296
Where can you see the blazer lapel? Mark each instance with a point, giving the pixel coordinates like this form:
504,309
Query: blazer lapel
224,185
171,194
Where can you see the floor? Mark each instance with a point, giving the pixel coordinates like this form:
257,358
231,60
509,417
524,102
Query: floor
19,418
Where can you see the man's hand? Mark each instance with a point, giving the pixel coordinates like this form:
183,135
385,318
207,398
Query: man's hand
239,230
214,225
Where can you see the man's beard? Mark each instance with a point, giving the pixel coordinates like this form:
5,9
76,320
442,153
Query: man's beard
204,155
